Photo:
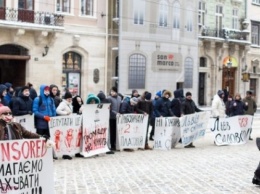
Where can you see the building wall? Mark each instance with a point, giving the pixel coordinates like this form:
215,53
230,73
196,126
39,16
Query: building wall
149,38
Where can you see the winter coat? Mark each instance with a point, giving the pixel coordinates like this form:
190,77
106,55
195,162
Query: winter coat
115,102
47,108
126,107
251,105
2,99
64,108
176,103
33,93
22,105
189,107
239,109
8,97
16,94
76,106
145,106
218,107
17,131
163,107
228,108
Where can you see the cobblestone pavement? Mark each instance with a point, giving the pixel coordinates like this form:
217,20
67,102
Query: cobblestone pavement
205,169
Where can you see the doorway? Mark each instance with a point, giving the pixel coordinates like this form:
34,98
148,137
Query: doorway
202,77
228,80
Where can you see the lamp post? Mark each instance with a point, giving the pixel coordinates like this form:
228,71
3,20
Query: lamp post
229,65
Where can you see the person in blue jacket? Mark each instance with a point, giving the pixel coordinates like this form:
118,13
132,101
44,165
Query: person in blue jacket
43,109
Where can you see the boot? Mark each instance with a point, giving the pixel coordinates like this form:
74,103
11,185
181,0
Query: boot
147,147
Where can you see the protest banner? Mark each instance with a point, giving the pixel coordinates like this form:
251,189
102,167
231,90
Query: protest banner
232,130
66,132
193,126
27,121
26,167
95,129
167,133
131,131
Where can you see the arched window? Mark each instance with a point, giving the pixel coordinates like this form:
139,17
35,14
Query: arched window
137,69
71,68
188,73
163,13
176,15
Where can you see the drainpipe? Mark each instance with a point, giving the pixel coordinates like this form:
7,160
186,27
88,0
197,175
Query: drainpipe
106,49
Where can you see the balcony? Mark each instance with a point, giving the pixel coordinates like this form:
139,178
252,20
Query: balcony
226,34
21,17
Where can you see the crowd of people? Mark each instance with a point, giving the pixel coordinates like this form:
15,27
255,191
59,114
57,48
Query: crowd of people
49,103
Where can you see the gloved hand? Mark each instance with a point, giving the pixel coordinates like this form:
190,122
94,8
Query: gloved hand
30,112
47,118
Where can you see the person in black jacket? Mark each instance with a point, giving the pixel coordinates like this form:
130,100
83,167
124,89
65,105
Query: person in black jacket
77,103
146,107
238,107
162,107
15,96
176,104
33,93
189,107
23,103
55,94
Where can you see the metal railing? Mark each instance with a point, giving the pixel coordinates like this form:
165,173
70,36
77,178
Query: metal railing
30,16
224,33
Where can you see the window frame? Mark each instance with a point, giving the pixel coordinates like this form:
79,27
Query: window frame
188,73
255,34
201,13
176,15
139,12
137,71
94,15
61,7
163,13
25,5
235,20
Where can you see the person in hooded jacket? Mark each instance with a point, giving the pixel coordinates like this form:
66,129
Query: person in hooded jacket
228,106
55,94
92,99
10,92
43,109
162,107
218,105
77,103
15,96
65,107
3,94
102,97
128,105
238,107
176,103
23,103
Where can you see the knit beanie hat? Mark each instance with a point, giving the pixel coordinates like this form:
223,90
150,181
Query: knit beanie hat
134,100
114,89
220,93
67,95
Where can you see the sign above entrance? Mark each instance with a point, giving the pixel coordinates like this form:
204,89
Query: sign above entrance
232,60
166,61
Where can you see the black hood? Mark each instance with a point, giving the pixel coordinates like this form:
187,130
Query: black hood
177,94
101,96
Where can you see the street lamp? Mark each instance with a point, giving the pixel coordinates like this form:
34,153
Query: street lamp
229,65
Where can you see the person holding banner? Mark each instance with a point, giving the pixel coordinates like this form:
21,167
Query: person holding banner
146,107
77,103
92,99
162,107
65,107
189,107
115,102
11,130
251,106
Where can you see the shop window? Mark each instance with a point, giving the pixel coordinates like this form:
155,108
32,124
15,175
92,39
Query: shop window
71,69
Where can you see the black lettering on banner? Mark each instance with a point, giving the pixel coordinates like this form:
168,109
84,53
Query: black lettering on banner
157,144
134,141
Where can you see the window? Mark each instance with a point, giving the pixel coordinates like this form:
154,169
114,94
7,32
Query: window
163,13
63,6
219,15
256,1
137,69
201,19
139,7
2,3
188,73
189,20
26,4
176,15
87,7
203,62
255,33
235,19
71,69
